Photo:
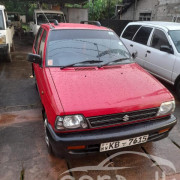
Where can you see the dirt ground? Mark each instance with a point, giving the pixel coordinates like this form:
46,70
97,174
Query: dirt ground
23,153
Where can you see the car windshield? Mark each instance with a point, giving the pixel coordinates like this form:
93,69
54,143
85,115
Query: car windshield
1,21
175,36
13,17
41,19
66,47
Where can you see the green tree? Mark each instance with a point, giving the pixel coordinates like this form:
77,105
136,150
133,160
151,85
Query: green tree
23,7
102,9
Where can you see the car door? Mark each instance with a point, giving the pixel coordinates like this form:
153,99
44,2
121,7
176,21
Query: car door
40,69
127,36
140,44
37,68
158,62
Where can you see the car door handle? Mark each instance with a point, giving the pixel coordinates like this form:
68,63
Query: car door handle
148,51
131,45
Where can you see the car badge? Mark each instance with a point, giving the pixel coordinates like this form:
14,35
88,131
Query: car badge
126,118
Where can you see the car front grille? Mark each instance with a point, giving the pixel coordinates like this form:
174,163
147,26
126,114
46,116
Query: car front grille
122,118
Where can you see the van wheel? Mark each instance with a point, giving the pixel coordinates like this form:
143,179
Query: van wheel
178,89
9,57
49,147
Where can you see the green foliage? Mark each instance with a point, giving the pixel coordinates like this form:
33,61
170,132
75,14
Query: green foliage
102,9
23,7
98,9
14,6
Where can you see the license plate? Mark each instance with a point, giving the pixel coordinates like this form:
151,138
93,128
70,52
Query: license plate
123,143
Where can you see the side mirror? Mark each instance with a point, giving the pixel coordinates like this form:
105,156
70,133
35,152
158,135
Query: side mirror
167,49
34,58
134,55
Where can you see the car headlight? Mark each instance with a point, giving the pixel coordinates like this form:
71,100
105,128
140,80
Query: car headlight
70,122
166,108
2,39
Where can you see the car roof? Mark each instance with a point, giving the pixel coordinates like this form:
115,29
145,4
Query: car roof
74,26
160,24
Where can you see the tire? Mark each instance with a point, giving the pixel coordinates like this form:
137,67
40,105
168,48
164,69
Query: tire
178,89
48,145
3,58
8,57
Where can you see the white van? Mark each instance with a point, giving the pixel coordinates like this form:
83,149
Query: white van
6,35
45,16
157,46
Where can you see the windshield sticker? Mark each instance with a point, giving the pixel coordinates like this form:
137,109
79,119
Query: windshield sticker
120,43
50,62
111,33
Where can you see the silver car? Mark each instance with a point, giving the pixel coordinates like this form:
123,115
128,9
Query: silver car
157,48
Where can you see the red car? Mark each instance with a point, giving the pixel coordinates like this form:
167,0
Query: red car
95,97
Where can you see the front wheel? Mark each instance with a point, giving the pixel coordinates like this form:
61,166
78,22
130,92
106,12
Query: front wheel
178,89
49,147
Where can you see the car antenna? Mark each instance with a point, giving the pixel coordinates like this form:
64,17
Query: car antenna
46,18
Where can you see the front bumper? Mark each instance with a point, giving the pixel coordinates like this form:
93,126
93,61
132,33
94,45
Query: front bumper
4,49
93,139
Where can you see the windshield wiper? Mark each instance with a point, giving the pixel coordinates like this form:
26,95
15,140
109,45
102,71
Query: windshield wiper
117,60
82,62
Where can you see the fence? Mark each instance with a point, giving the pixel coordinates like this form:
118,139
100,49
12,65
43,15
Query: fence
116,25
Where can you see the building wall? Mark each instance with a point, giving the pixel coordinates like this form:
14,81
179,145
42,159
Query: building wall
161,10
167,9
143,6
76,15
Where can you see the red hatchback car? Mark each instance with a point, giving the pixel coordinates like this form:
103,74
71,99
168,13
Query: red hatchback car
95,97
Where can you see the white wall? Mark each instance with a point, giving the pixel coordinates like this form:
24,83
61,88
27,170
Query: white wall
75,15
23,18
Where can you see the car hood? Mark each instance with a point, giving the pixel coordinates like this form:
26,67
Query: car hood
108,90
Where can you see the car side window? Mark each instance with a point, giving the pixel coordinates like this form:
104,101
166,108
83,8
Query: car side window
36,45
159,38
130,31
142,35
42,43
